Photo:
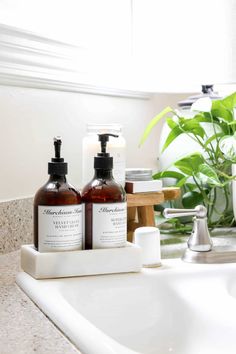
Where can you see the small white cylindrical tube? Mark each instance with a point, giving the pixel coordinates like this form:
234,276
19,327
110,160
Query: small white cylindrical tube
148,238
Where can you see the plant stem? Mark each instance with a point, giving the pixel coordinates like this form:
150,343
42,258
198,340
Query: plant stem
211,208
206,201
226,198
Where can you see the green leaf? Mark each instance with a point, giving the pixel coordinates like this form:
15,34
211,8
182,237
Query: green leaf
188,123
191,186
228,147
152,124
198,131
189,164
168,174
203,118
207,175
192,199
223,114
191,126
174,133
171,123
220,110
230,101
182,181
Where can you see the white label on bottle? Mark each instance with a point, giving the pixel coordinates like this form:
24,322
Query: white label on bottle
59,228
109,225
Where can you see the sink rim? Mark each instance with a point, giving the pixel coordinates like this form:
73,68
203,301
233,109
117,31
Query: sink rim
101,342
52,308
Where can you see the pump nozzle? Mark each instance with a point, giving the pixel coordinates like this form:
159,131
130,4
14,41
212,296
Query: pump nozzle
57,166
103,160
57,146
104,138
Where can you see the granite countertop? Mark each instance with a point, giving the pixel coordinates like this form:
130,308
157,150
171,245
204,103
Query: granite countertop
24,329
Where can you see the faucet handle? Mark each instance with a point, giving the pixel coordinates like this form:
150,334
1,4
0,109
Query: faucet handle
199,211
200,240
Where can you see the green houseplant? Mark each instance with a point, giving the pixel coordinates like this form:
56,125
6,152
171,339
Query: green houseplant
206,174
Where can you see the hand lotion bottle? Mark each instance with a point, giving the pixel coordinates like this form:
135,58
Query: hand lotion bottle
104,201
57,210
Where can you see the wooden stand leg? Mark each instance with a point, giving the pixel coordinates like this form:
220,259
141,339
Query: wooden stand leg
143,205
146,215
132,224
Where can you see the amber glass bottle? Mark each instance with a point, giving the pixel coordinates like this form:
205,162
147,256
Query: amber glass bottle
105,209
57,210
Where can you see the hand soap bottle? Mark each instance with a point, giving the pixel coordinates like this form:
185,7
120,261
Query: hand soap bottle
57,210
104,201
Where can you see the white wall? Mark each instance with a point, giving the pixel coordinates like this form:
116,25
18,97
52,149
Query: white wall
29,118
179,45
89,23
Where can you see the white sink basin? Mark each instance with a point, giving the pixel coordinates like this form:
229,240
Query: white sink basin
177,308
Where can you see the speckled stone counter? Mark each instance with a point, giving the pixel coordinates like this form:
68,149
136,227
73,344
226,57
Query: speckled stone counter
24,329
16,224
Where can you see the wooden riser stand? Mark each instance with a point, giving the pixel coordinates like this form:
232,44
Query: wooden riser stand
141,207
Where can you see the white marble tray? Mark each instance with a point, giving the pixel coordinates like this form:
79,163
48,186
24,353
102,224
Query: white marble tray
80,263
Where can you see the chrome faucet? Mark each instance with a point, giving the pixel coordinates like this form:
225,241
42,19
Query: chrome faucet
200,246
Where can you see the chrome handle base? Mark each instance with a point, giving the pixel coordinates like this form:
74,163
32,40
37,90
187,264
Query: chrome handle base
200,239
212,257
200,246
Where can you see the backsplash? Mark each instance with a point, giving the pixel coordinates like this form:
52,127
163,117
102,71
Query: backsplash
16,224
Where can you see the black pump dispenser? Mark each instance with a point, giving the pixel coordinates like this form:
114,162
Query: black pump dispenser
103,160
57,166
